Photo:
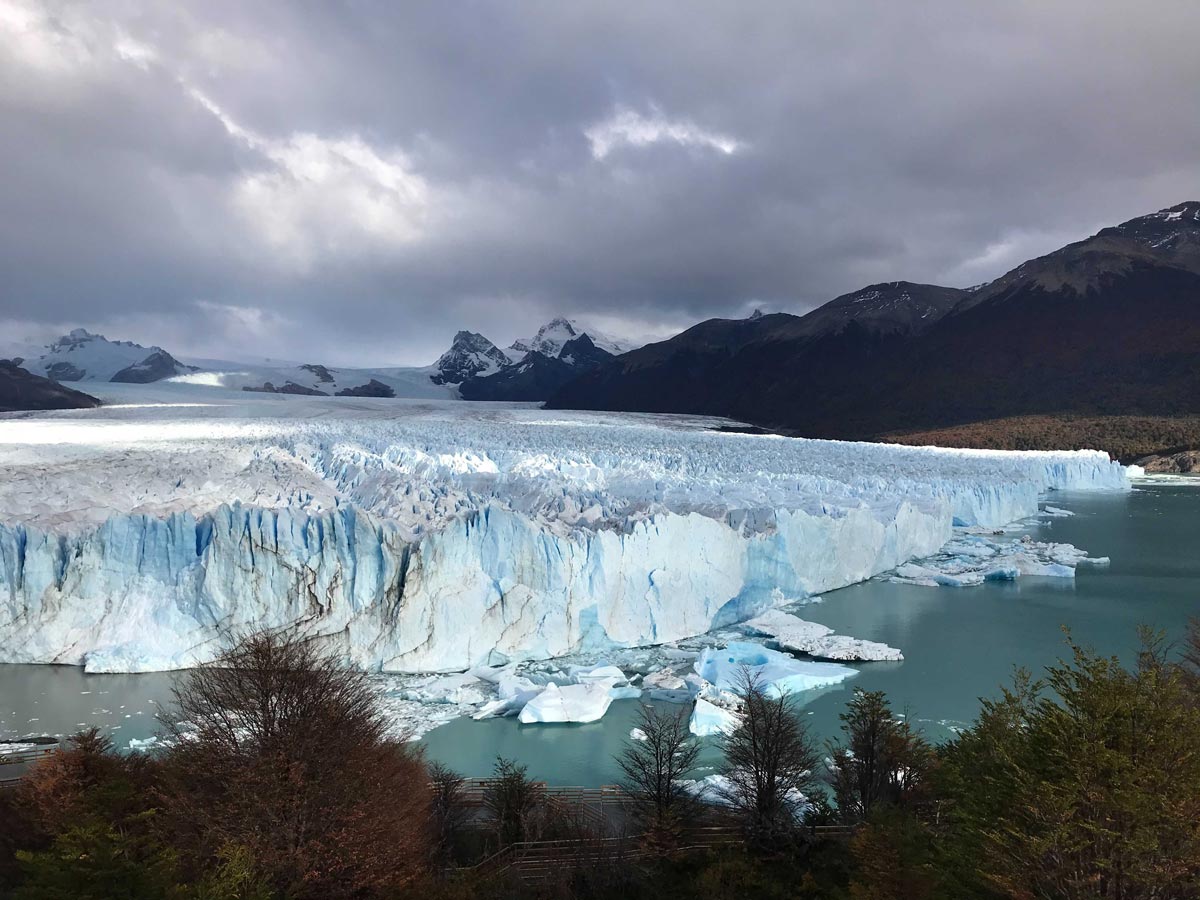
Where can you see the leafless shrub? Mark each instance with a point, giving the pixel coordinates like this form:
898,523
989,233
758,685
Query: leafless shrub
282,750
654,768
770,765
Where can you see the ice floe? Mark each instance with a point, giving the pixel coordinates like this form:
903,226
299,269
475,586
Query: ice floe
970,559
800,636
727,668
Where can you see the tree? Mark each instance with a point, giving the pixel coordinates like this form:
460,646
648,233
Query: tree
654,767
1190,663
1090,788
770,765
447,811
882,762
91,811
513,800
282,751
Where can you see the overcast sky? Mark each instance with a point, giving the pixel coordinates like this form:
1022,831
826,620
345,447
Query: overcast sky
354,182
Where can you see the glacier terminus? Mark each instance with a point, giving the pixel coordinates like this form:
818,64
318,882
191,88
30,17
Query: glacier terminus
436,536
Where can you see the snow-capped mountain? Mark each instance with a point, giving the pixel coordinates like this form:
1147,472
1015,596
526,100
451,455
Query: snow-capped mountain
551,337
538,375
470,355
83,356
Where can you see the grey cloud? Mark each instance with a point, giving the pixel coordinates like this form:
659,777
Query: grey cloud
369,177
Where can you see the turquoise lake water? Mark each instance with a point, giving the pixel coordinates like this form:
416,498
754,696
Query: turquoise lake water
959,644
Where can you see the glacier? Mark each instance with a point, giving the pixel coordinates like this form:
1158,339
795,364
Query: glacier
436,536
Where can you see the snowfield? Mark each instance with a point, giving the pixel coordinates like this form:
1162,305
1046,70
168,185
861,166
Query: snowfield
436,536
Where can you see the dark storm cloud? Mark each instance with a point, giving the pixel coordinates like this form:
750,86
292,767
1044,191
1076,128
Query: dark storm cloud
359,180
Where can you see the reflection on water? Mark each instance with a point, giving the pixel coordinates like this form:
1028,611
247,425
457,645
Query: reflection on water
959,645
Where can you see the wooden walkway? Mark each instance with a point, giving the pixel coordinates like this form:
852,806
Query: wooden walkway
604,810
542,861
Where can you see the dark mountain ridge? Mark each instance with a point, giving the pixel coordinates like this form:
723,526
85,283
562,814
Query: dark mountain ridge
1108,325
21,390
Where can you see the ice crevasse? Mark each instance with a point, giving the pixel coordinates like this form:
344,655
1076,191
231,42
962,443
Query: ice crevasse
427,537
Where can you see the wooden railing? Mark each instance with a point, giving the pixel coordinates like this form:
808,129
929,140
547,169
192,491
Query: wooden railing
535,861
13,766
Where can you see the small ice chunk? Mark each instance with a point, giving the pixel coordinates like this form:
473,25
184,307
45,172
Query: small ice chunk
1056,513
624,692
710,789
598,672
463,688
636,734
709,719
569,703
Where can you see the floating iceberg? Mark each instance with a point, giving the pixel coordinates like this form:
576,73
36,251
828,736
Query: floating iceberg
727,668
708,719
434,536
971,559
796,634
569,703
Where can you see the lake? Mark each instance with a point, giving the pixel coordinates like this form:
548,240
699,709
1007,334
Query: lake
959,644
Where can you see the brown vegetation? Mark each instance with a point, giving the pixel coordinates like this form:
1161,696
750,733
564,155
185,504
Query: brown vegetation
1084,785
282,750
1126,438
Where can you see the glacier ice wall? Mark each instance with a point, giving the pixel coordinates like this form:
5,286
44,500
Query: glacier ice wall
426,537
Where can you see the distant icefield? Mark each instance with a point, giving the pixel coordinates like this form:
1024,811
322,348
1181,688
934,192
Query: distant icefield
433,536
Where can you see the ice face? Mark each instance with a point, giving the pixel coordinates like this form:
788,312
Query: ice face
433,537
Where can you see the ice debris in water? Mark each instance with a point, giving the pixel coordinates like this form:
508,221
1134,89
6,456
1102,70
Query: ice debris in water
719,680
560,691
970,559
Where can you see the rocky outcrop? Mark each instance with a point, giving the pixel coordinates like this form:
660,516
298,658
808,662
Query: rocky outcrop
21,390
1186,462
64,371
158,365
323,374
373,388
288,388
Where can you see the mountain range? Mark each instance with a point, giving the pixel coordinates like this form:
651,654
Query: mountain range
473,367
1106,327
1109,325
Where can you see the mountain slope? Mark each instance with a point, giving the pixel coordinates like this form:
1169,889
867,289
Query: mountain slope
22,390
1109,325
711,367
